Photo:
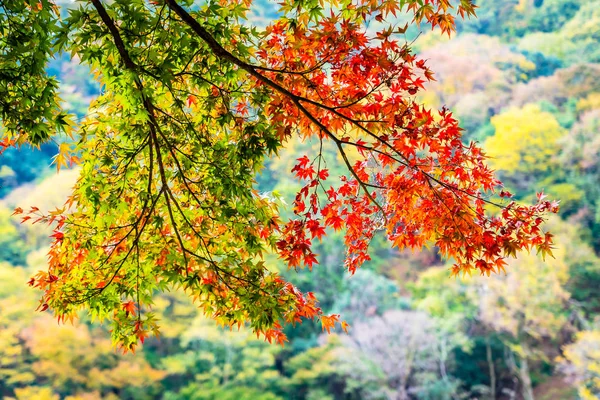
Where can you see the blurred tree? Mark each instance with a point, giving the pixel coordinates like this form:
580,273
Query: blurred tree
515,18
476,64
15,362
575,42
524,145
316,373
495,18
455,307
37,393
377,295
12,244
71,360
221,364
529,306
581,362
580,160
551,15
409,349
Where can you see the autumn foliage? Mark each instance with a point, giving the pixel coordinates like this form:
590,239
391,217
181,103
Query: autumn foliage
195,101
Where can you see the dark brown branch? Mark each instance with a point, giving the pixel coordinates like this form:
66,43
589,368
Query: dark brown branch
116,35
129,63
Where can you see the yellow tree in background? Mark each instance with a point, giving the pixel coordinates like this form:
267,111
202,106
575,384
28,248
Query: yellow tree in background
582,362
526,140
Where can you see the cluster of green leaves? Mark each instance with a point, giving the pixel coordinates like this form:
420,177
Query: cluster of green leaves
160,148
29,105
515,18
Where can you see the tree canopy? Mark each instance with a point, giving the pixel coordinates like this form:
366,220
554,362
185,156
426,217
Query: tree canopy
194,100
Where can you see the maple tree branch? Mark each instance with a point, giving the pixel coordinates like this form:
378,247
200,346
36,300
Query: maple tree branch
126,167
139,231
290,72
118,40
115,34
129,64
450,212
137,282
154,126
221,52
164,181
228,273
338,142
178,206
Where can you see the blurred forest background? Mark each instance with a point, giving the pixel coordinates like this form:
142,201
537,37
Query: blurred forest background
524,80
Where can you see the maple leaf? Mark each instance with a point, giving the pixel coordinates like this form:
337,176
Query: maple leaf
510,248
316,230
323,174
345,326
57,235
545,248
336,222
129,307
500,264
310,259
63,156
489,239
328,322
57,211
191,100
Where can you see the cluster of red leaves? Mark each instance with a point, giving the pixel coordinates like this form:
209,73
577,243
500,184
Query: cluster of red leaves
46,280
6,143
415,179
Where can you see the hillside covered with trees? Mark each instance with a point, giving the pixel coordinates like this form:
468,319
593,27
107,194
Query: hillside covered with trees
523,79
